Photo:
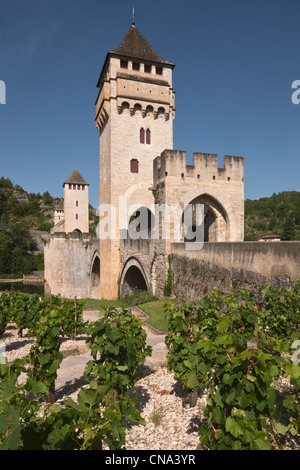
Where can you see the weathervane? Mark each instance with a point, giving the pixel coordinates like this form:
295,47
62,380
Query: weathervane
132,18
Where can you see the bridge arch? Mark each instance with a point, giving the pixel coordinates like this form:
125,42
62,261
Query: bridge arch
133,277
95,275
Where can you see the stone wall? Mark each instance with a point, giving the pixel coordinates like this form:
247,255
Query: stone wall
275,260
40,238
226,266
68,264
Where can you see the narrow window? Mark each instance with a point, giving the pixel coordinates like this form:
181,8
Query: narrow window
148,136
124,64
147,68
83,186
74,186
76,216
142,136
134,166
159,71
135,66
70,186
76,203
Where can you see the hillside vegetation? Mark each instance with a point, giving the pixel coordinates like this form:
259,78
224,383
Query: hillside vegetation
275,215
21,212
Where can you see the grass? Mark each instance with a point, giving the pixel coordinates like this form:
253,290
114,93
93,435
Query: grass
157,415
101,304
155,309
156,313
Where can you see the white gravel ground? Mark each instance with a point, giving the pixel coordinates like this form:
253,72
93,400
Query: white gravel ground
169,425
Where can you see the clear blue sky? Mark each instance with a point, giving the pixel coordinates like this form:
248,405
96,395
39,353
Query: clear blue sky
235,64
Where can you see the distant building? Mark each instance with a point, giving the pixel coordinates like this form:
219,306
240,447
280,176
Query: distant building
270,238
59,215
72,213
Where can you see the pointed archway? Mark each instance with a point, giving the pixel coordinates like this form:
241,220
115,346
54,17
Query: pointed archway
133,278
213,220
95,277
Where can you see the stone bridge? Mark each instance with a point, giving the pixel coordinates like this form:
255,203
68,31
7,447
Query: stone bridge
144,266
73,266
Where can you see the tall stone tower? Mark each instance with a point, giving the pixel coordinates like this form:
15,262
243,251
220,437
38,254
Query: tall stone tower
76,204
135,108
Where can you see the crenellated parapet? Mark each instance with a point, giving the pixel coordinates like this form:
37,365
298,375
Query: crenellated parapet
172,163
72,236
219,190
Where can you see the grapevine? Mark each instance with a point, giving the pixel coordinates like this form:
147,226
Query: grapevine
103,410
237,347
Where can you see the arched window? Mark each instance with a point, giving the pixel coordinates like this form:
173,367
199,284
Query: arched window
148,136
142,136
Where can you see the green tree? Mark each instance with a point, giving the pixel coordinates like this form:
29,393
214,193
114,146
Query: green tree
47,198
288,231
6,183
272,223
6,246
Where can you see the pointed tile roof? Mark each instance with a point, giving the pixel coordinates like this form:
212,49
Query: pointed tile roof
75,178
136,46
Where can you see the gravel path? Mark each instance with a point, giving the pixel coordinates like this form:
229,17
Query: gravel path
168,425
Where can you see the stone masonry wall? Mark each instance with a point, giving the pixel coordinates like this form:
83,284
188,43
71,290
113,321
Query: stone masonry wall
68,264
193,276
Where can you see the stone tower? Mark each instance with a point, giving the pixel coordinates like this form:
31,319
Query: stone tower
59,215
135,108
76,204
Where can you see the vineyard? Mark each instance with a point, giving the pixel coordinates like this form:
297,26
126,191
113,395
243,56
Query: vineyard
29,416
238,348
233,348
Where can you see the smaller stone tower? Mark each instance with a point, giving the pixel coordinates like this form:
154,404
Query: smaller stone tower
59,215
76,203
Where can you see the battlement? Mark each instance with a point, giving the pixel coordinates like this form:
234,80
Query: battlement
205,166
72,236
